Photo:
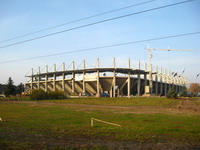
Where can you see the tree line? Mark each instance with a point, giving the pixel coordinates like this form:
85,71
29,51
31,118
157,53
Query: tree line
9,89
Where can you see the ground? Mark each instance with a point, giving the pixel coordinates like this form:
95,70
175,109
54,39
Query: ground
147,123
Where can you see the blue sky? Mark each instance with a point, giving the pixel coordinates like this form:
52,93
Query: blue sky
18,17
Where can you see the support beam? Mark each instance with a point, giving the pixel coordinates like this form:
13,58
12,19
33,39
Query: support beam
114,79
32,79
138,85
54,78
84,76
129,80
73,77
169,79
38,78
63,78
165,82
98,84
46,79
161,81
156,79
145,78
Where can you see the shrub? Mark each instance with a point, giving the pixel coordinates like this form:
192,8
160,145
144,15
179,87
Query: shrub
56,95
41,95
38,95
184,93
171,93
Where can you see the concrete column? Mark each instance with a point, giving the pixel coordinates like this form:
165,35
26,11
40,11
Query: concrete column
150,80
175,84
73,77
161,81
129,80
179,89
138,85
98,84
114,79
145,83
84,76
169,80
46,78
166,83
32,79
54,78
145,75
156,78
63,78
111,92
38,78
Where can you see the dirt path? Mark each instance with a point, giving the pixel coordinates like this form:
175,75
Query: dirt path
186,107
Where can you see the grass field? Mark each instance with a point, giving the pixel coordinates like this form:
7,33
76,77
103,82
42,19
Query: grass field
46,125
119,101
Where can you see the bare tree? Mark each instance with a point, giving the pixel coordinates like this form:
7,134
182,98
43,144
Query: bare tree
194,88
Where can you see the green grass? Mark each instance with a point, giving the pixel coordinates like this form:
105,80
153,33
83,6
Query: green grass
25,125
140,101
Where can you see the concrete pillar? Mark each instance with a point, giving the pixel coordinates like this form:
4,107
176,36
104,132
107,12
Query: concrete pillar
165,83
73,77
145,75
84,76
145,83
63,78
32,79
156,79
111,92
179,89
114,79
175,84
98,83
138,85
150,80
161,81
129,80
54,78
169,80
46,78
38,78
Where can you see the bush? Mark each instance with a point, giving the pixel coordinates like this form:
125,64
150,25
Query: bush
56,95
171,93
184,93
38,95
41,95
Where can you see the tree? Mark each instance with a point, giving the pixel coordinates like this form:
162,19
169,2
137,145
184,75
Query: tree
194,88
10,88
184,92
171,93
2,88
20,88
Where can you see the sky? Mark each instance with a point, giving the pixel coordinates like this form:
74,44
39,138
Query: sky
19,17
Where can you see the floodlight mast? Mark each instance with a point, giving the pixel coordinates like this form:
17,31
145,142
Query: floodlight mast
150,61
